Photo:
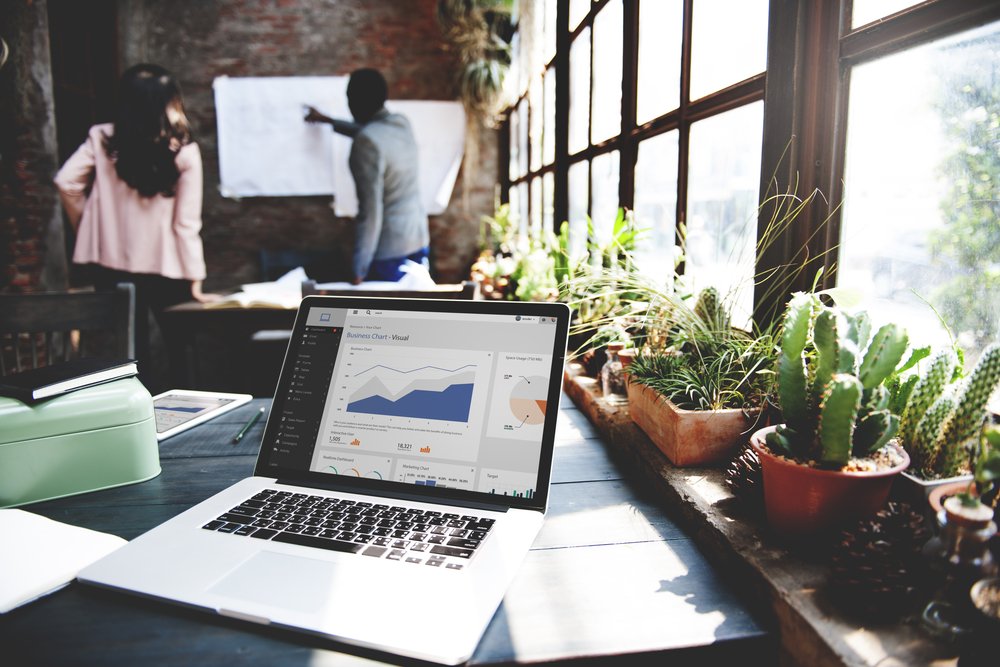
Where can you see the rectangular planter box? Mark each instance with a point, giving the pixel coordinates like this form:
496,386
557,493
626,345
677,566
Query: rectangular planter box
915,491
687,437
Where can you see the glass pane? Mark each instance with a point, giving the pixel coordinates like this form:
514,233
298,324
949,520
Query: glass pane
728,43
522,207
522,138
866,11
536,207
548,201
549,121
604,192
660,31
607,97
579,194
921,178
579,92
724,179
515,204
515,133
513,82
537,115
656,205
549,48
577,12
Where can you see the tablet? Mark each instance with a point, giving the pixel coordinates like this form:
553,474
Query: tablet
178,410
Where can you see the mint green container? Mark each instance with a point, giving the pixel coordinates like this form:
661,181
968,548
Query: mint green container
86,440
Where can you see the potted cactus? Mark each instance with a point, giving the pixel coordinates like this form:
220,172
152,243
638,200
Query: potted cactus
833,459
942,420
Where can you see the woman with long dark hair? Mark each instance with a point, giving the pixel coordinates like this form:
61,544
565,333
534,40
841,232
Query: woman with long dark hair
133,194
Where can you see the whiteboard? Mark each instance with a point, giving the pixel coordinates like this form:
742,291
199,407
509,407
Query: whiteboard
267,149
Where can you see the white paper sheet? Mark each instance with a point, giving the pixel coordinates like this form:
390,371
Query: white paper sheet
40,556
266,149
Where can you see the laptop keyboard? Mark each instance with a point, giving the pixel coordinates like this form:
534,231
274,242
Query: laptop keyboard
427,537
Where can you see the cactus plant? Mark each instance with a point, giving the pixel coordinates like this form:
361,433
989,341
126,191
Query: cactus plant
830,376
942,421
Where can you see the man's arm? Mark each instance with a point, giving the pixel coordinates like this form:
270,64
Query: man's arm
368,168
345,127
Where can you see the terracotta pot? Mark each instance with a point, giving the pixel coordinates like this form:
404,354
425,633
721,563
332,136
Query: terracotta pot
687,437
801,501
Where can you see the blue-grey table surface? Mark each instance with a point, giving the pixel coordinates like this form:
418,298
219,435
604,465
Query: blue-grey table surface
609,576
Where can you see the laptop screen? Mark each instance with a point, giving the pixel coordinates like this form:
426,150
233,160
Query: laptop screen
442,398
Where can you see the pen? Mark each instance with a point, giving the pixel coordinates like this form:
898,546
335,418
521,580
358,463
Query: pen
247,426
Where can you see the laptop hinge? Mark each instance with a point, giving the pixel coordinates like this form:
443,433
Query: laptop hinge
399,495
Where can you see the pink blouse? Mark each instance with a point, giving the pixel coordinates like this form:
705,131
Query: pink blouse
119,228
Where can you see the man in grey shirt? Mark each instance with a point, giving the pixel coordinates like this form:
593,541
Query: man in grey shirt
391,225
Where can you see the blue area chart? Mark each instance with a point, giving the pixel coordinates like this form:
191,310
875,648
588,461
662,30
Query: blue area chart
447,398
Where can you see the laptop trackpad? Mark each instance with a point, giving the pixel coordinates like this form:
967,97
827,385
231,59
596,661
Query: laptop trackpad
279,580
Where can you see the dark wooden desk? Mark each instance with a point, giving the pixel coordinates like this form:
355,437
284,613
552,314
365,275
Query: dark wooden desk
609,576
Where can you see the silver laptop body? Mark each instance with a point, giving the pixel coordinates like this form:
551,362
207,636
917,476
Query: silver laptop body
402,477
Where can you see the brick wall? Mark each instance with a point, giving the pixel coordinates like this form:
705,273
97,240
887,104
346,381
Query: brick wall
200,40
31,239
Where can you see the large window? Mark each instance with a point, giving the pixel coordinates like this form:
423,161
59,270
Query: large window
691,112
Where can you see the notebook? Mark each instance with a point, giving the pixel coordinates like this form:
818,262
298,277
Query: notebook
402,477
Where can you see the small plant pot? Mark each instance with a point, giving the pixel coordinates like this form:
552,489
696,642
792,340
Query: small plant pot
687,437
985,595
801,501
916,491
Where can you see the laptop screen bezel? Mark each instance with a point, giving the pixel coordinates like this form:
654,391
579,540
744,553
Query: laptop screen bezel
539,499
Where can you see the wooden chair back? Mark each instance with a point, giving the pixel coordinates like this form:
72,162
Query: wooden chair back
42,328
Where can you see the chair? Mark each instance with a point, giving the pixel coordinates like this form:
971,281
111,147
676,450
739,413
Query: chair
41,328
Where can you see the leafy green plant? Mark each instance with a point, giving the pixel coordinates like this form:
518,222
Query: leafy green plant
943,417
706,364
831,372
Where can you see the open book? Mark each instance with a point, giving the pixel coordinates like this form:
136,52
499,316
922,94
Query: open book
285,292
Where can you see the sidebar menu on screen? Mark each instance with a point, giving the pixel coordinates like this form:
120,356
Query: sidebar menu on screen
310,372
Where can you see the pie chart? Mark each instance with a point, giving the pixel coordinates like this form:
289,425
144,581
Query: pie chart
528,399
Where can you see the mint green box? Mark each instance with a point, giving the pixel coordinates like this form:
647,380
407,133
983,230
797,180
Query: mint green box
86,440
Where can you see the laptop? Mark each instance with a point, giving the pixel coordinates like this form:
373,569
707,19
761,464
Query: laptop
402,477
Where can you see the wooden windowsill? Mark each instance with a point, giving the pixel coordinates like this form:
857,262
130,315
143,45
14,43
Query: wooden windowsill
782,586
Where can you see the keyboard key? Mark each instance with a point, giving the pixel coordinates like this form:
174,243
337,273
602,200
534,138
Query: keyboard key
374,551
395,554
476,535
244,530
230,528
419,546
264,533
436,539
454,566
451,551
310,541
363,539
435,563
236,518
214,525
463,543
414,559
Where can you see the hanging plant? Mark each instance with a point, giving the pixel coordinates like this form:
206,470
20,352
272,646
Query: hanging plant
479,32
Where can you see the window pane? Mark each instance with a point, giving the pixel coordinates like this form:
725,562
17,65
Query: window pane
660,30
548,201
728,43
549,121
577,12
724,178
579,92
515,134
537,115
515,205
536,206
607,97
656,205
866,11
522,207
922,176
522,138
579,194
604,192
549,49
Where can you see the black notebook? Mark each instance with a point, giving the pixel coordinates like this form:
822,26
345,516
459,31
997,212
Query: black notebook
48,381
